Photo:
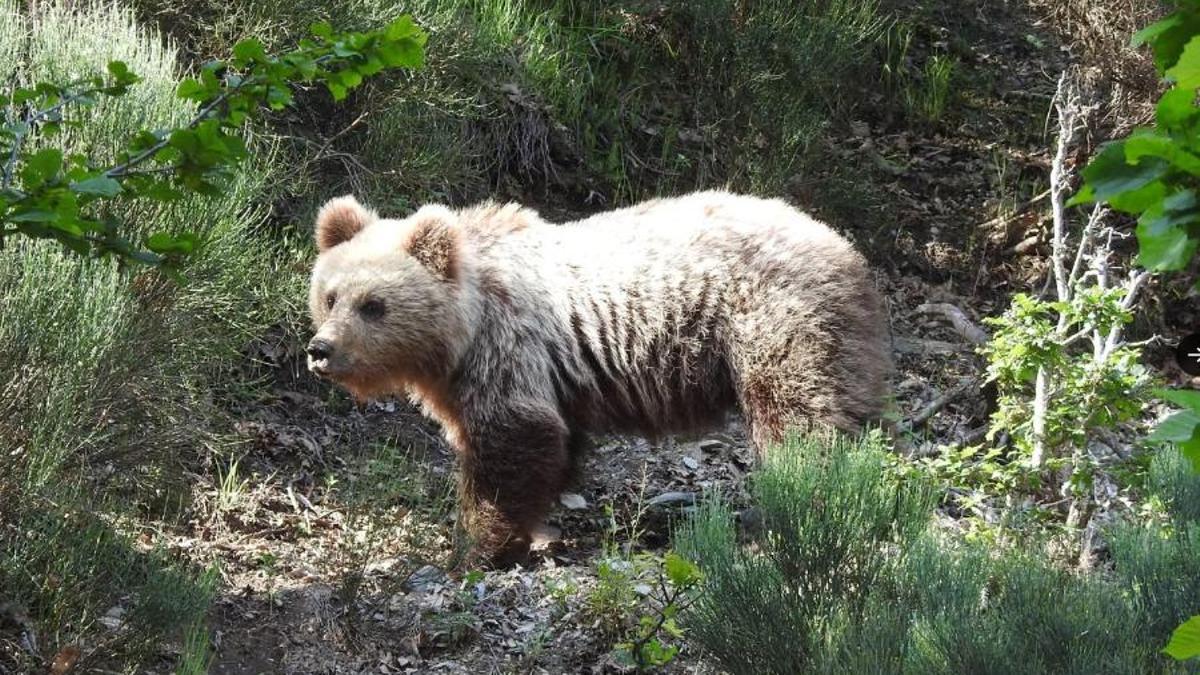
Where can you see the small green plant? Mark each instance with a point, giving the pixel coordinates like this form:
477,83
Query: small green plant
652,643
458,623
46,193
934,93
389,497
1042,336
231,488
924,92
1062,367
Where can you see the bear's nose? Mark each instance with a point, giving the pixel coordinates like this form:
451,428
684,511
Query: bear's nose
319,349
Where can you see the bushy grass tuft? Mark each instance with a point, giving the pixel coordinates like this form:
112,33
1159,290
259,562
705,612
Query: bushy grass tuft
845,577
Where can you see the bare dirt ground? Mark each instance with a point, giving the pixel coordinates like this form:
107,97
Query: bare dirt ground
335,531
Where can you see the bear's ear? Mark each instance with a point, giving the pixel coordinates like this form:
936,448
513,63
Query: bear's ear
339,220
434,240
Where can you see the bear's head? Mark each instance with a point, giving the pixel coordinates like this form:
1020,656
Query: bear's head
388,298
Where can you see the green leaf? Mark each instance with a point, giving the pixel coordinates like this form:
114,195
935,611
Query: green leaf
1140,199
681,571
249,50
335,89
1188,399
1109,174
21,95
1163,240
1186,71
1179,426
402,28
404,54
42,166
321,29
349,78
1148,143
165,243
1176,108
1169,37
121,74
101,186
1153,31
1169,251
33,216
192,90
1190,449
1185,641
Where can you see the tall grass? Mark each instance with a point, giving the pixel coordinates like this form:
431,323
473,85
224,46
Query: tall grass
108,375
613,101
845,577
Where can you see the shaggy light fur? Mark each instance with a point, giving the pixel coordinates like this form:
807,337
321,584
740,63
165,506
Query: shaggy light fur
521,337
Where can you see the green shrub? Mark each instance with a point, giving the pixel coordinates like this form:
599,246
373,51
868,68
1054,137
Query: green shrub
832,521
103,356
844,577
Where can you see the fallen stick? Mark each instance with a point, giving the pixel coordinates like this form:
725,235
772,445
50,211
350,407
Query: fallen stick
958,320
1017,211
926,413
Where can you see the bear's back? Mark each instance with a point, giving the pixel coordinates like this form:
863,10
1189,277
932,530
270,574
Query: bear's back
626,314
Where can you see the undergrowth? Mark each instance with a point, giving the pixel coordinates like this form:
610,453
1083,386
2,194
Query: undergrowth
846,574
110,376
604,102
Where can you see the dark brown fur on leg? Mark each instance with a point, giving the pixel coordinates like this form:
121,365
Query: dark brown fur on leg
514,469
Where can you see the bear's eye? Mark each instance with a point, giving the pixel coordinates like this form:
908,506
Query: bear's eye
330,300
372,309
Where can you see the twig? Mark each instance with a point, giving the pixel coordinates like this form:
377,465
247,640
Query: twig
926,413
32,120
958,319
122,169
1058,184
1017,210
1085,242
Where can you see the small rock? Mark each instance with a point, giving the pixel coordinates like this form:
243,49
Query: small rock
573,501
544,536
382,566
425,579
691,463
672,498
642,589
113,618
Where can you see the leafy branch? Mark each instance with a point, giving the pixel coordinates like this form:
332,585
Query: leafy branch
678,578
1154,174
47,195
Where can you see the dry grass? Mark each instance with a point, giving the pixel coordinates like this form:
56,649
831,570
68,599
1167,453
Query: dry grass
1099,33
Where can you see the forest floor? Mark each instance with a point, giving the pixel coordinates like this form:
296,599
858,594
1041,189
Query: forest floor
334,530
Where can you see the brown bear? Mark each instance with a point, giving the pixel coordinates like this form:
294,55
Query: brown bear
520,337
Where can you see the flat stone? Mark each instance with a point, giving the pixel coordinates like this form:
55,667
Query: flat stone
573,501
426,578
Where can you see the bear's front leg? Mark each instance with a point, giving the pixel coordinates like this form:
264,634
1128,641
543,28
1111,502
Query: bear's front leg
514,465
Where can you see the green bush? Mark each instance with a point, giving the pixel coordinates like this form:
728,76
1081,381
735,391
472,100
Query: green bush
832,523
98,354
845,576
